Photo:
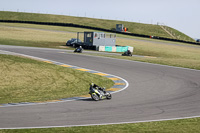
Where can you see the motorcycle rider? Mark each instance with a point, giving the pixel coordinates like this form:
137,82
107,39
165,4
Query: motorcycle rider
129,52
79,49
94,86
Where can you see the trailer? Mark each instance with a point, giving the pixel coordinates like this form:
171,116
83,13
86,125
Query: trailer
99,41
93,40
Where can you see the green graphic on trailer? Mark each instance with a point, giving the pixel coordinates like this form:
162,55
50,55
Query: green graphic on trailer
121,49
108,48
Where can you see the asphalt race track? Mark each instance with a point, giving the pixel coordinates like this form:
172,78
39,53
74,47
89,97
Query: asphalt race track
155,92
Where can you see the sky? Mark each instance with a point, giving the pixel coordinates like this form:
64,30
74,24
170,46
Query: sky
183,15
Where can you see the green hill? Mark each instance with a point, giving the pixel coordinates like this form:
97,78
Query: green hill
137,28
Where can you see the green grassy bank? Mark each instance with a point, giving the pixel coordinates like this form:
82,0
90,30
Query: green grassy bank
137,28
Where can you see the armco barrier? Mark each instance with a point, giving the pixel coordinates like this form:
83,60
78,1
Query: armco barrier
95,28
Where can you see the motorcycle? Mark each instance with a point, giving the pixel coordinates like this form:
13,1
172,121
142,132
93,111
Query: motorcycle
127,53
99,94
78,50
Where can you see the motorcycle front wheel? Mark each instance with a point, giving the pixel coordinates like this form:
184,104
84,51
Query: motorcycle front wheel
108,96
95,96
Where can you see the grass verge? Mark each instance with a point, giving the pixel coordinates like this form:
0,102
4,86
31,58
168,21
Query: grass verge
27,80
175,126
31,37
165,55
